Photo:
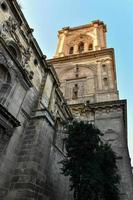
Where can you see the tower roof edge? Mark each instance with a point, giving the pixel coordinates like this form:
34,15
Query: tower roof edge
91,24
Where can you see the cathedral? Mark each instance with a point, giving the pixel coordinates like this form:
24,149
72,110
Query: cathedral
37,96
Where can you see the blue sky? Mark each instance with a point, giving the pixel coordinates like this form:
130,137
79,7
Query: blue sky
48,16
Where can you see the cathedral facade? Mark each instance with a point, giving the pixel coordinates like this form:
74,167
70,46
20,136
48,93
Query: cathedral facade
37,96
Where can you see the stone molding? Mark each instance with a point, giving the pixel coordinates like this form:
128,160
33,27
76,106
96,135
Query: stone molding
8,117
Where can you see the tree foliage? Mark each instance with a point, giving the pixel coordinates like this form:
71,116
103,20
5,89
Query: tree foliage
90,164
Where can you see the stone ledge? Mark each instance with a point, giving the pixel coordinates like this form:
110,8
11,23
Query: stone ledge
9,117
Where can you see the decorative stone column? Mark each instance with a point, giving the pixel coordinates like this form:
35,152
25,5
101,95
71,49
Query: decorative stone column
86,47
75,49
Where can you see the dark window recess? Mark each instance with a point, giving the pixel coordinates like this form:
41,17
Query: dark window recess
4,6
71,50
90,47
119,157
104,67
4,75
35,62
105,80
75,91
31,75
4,139
81,47
77,72
5,83
87,102
63,144
13,51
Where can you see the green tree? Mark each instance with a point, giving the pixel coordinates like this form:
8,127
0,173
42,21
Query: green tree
90,164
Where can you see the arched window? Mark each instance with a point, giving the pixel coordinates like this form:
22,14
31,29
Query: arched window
75,91
105,81
35,62
4,74
71,50
104,68
14,50
31,75
4,6
81,47
90,47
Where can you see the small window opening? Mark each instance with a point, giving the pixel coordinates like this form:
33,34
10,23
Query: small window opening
4,75
81,47
13,51
75,91
77,72
4,6
87,102
35,62
31,75
105,80
90,47
71,50
104,67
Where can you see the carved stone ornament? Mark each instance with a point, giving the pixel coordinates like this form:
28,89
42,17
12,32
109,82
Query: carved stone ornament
26,56
9,27
3,59
110,135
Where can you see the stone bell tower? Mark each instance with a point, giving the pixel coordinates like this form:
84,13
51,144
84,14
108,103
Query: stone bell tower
88,70
87,74
90,37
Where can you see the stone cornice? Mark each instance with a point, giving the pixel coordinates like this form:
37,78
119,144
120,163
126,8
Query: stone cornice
9,117
18,12
65,109
107,104
38,51
44,113
53,73
98,22
64,106
92,54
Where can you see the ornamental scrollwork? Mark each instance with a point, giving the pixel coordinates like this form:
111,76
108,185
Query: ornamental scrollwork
9,27
3,59
26,56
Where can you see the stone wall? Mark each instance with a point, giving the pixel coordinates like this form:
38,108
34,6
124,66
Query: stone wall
37,174
112,122
87,76
59,184
111,119
31,103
